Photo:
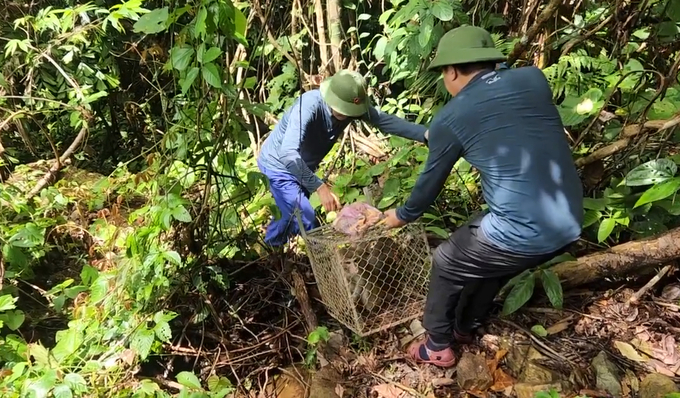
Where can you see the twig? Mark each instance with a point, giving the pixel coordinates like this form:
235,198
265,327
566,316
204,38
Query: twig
636,297
538,342
52,172
399,385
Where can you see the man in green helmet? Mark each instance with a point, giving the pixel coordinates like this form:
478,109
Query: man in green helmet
304,136
504,123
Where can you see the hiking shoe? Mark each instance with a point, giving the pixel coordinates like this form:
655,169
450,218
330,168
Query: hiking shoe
420,353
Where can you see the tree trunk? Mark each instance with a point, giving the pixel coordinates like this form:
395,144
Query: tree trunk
320,11
624,259
335,22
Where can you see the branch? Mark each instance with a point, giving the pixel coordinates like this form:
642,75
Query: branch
628,133
547,13
270,35
51,174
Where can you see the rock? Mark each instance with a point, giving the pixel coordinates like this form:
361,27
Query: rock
528,390
473,373
656,385
607,375
520,360
442,382
331,350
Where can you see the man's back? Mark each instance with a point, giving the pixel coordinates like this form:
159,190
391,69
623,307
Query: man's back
513,134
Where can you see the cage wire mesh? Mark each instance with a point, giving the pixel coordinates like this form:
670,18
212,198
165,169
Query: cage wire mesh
372,282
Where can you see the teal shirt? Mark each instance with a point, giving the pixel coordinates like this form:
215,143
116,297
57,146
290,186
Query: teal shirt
506,125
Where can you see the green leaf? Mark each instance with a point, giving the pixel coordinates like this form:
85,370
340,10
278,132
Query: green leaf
520,294
673,11
180,57
188,379
181,214
13,319
363,17
659,192
594,204
189,79
652,172
379,48
142,341
15,256
553,287
391,187
240,22
199,28
7,302
539,330
211,54
211,75
590,217
606,227
62,391
69,342
442,9
425,33
152,22
438,231
317,335
173,257
163,332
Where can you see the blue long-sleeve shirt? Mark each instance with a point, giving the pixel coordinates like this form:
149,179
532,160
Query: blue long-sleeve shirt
506,125
307,132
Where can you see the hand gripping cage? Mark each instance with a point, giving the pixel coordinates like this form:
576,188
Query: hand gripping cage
373,282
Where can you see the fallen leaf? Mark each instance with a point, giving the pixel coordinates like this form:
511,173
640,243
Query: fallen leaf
660,367
501,380
339,390
539,330
388,391
128,356
493,363
628,351
559,326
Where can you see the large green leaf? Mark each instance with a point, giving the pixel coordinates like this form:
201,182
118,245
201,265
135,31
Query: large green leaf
240,22
659,192
652,172
180,57
211,75
442,9
606,227
552,287
520,294
152,22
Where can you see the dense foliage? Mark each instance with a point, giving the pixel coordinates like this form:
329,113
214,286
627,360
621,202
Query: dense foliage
128,136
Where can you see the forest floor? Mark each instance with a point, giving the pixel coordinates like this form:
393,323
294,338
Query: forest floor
601,344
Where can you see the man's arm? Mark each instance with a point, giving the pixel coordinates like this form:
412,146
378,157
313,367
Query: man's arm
391,124
445,150
300,116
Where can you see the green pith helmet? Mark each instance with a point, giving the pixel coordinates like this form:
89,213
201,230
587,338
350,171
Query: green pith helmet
345,93
466,44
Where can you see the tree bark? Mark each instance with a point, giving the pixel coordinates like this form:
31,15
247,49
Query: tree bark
335,22
624,259
320,11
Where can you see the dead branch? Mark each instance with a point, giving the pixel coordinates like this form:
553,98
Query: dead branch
627,135
303,300
51,174
624,259
547,13
644,289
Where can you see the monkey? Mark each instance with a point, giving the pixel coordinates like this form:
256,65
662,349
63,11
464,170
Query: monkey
373,271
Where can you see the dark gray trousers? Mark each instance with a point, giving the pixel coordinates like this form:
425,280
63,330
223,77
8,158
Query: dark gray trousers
468,271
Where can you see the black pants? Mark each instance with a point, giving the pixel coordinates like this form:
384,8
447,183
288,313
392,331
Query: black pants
468,271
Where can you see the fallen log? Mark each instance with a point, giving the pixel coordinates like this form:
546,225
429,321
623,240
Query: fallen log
624,259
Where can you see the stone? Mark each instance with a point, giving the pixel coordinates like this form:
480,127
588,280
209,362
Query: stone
656,385
472,372
528,390
607,375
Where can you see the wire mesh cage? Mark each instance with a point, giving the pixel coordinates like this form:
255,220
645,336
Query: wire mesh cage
373,282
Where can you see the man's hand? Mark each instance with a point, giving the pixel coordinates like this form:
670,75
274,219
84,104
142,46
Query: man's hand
329,201
391,220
